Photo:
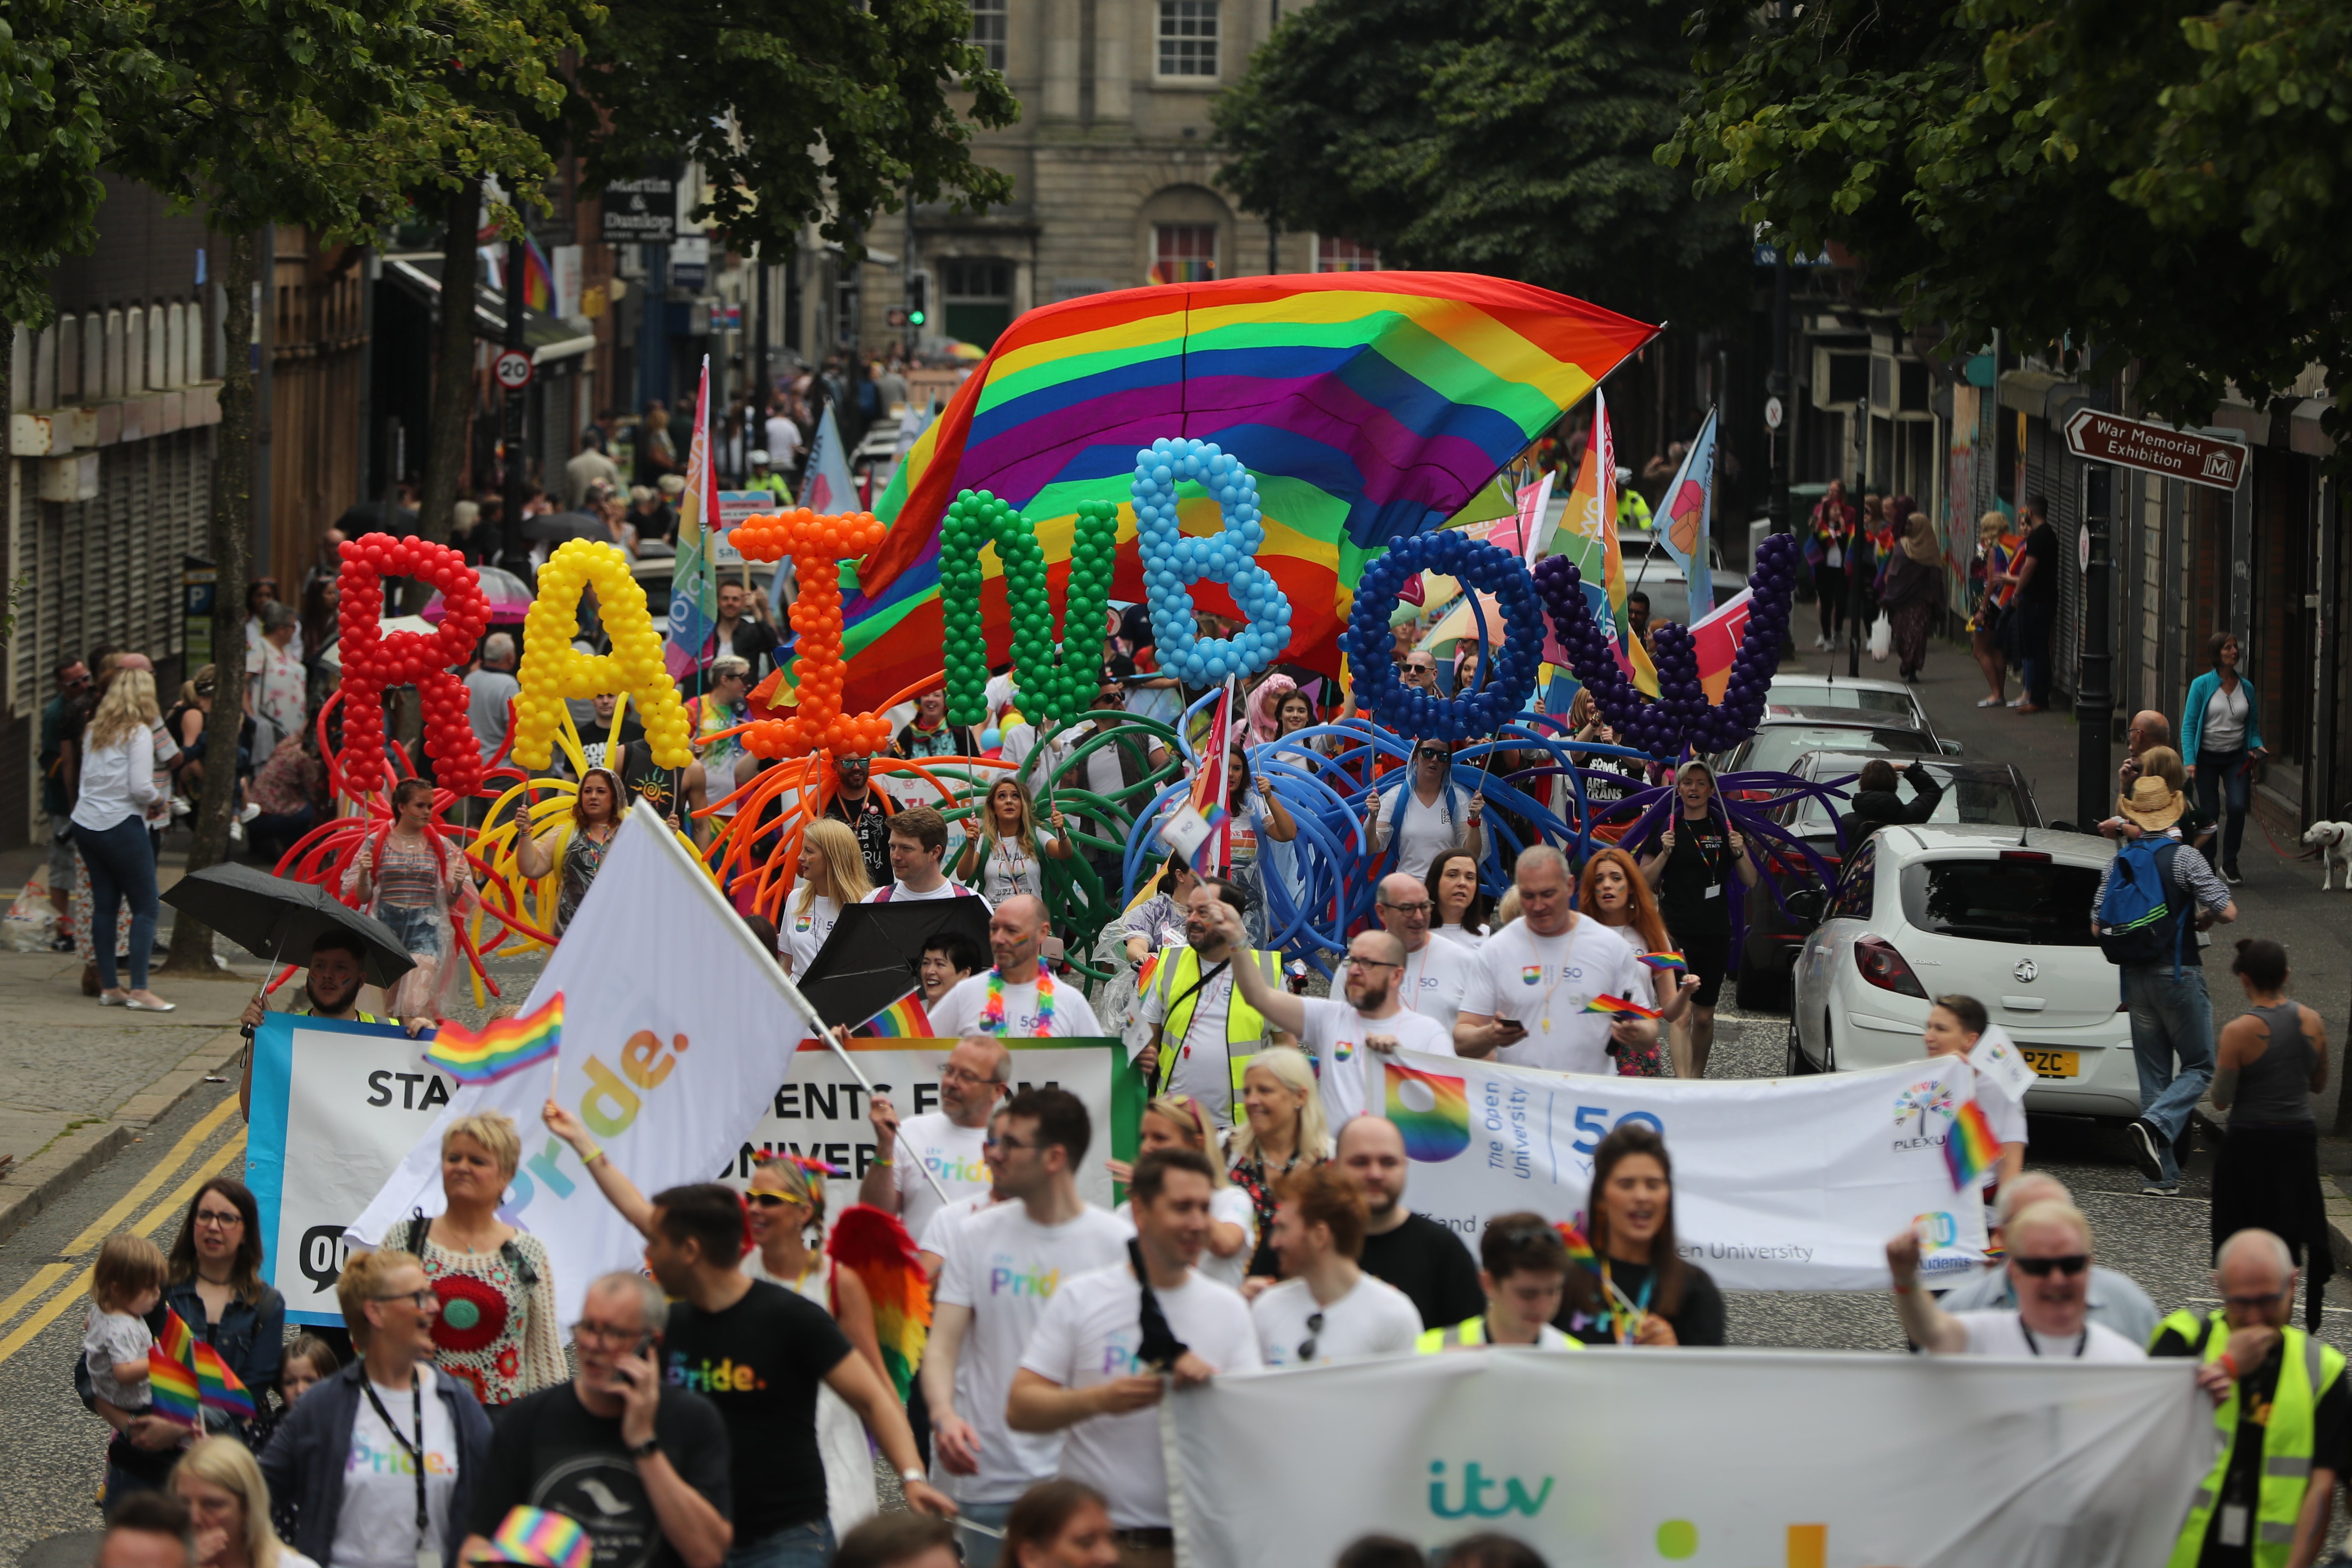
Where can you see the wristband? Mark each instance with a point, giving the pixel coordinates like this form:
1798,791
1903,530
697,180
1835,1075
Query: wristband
1903,1289
909,1476
884,1163
647,1450
2230,1365
595,1152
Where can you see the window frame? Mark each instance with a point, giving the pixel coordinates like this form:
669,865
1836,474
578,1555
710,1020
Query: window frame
996,49
1163,39
1160,255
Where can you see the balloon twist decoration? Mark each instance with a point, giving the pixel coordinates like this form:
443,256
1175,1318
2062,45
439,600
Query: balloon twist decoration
1173,562
552,670
1681,716
1367,641
1057,682
817,544
373,661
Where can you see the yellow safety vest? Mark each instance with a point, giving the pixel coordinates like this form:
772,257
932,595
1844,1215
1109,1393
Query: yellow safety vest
2307,1369
1179,994
1469,1331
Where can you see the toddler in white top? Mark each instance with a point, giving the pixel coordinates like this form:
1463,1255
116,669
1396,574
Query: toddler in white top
125,1285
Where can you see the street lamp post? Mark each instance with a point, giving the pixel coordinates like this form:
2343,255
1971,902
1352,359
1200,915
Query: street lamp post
2094,689
510,523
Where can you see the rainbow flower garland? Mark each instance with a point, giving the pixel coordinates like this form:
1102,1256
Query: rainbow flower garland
992,1012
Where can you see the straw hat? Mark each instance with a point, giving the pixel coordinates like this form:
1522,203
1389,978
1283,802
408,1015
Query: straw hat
2153,803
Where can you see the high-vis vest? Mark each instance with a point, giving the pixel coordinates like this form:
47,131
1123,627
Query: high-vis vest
2307,1369
1179,995
1469,1331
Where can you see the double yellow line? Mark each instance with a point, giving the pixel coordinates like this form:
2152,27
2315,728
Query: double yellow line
107,1224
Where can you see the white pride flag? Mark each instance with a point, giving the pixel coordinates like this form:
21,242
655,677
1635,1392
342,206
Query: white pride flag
1790,1184
676,1034
1629,1458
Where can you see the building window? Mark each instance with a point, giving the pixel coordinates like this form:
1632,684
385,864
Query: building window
1344,255
1184,253
976,298
1188,38
988,24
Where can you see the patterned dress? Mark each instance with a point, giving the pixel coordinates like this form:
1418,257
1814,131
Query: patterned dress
495,1335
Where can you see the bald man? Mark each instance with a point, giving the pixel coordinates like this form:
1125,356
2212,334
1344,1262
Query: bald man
2148,728
1429,1262
1435,970
2114,1298
1018,998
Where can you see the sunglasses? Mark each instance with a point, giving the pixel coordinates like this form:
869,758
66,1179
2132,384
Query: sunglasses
2039,1268
1314,1329
772,1201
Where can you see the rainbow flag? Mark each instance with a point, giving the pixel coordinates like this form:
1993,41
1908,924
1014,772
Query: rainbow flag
876,1247
1578,1249
177,1342
1606,1004
538,282
218,1388
173,1390
542,1538
904,1020
505,1046
1368,405
1970,1149
1143,975
1667,959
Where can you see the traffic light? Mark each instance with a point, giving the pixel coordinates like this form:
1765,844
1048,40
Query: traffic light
919,298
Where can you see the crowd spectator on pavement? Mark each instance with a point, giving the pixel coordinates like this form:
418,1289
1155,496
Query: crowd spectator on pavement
656,449
2113,1298
642,1463
1987,634
117,778
2220,741
1913,592
323,632
2050,1272
1327,1307
1202,1032
348,1458
1640,1290
490,691
289,796
1436,973
1523,1267
2280,1404
1829,540
783,437
651,520
1427,812
277,688
587,466
2171,1012
228,1506
1180,1122
2034,575
145,1529
1427,1260
61,722
1560,947
2273,1059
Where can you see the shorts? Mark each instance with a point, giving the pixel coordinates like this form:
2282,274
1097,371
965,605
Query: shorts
418,927
1709,958
61,854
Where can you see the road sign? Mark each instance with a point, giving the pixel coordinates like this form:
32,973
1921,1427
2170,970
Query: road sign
513,369
896,316
2156,449
1772,413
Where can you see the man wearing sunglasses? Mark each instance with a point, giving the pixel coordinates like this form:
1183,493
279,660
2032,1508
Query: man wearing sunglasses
2281,1404
1428,812
2050,1269
2113,1299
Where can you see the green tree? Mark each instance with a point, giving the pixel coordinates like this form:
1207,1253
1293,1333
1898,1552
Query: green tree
2157,183
1507,137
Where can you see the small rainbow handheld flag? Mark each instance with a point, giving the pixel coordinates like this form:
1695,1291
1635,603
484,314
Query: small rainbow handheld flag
904,1020
172,1391
505,1046
183,1365
1667,959
1970,1149
1578,1249
540,1538
218,1388
1606,1004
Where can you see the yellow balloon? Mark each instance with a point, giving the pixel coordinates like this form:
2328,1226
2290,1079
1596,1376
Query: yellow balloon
552,670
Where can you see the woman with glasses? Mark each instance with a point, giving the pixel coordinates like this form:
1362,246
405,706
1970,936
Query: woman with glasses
1638,1290
1459,910
1428,812
1177,1121
1283,1129
380,1460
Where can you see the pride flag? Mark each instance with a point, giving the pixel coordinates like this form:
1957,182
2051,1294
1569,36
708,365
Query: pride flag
694,589
186,1376
1684,515
1970,1149
904,1020
1368,405
504,1046
540,1538
1619,1006
1579,1250
538,282
1667,959
172,1391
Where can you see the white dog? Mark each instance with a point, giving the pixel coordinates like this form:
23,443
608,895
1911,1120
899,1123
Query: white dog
2334,842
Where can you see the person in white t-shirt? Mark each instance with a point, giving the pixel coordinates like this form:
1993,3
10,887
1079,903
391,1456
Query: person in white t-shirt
1435,970
1529,985
1427,811
1003,1266
1112,1341
949,1143
918,848
1327,1307
1019,998
2050,1267
832,874
1180,1122
1955,1024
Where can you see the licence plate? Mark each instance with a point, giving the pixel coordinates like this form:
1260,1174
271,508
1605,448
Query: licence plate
2051,1064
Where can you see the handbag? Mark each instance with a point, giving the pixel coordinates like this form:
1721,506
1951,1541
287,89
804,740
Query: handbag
1882,638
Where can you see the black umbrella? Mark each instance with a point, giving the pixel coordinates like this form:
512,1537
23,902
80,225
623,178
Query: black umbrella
279,918
874,952
367,516
556,527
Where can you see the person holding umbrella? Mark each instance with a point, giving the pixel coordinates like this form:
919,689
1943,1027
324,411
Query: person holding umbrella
331,989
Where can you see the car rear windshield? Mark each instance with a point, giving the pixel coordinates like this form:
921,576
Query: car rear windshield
1778,745
1803,694
1979,799
2028,903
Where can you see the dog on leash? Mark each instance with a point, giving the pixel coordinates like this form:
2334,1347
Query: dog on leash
2332,842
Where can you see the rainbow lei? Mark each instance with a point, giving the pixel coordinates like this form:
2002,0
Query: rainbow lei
992,1012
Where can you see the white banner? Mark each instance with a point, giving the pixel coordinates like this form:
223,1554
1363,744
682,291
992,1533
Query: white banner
1792,1184
676,1034
1744,1458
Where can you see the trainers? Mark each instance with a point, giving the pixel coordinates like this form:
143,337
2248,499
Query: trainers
2229,873
2160,1190
248,811
2141,1136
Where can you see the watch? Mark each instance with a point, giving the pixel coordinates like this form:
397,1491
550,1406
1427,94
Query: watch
647,1450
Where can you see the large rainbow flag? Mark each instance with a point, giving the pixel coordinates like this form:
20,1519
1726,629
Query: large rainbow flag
1369,404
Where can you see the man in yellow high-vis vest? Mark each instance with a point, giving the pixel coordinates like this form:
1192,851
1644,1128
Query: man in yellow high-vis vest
1523,1267
1203,1031
2281,1404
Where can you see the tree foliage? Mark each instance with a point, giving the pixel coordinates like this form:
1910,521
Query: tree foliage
1507,137
2153,181
798,111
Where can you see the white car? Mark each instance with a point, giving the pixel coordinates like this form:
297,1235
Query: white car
1803,688
2001,914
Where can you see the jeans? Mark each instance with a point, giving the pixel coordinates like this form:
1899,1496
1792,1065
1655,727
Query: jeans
2170,1017
981,1551
806,1545
121,864
2033,651
2222,782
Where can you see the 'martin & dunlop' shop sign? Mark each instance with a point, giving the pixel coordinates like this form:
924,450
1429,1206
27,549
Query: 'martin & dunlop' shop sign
2156,449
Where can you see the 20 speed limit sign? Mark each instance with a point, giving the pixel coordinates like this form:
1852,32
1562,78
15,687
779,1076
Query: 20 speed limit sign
513,370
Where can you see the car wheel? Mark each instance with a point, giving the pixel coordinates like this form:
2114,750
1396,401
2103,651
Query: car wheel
1800,1064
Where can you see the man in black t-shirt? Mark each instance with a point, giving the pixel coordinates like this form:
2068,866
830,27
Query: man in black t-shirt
2035,573
1428,1262
758,1352
859,804
643,1468
596,739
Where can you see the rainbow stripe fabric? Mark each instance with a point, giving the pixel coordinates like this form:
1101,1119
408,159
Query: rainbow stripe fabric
904,1020
504,1046
1618,1005
1368,405
542,1538
1970,1149
1578,1249
172,1391
1667,959
219,1388
185,1375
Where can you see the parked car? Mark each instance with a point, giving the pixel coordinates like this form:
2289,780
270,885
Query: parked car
1983,793
1803,688
1785,733
2002,914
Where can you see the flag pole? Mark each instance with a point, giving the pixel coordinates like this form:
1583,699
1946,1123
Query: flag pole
818,1028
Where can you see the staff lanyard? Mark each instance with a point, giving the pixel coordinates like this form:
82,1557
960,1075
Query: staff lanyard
1196,995
428,1555
2082,1340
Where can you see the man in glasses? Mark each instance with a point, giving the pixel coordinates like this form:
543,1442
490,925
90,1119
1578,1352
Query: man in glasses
1435,972
1327,1307
1201,1040
2280,1404
948,1142
2050,1270
641,1465
1428,812
2113,1298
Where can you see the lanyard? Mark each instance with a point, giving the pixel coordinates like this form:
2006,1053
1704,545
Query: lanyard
1625,1317
415,1451
2081,1341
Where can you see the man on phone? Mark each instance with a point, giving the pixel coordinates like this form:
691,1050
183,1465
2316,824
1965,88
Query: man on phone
642,1464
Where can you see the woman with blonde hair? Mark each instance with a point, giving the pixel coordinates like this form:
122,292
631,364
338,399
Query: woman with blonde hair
228,1502
1996,548
1003,858
1284,1126
1178,1121
578,843
496,1331
833,878
110,831
1614,892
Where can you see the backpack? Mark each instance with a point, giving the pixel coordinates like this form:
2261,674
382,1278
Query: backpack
2139,925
